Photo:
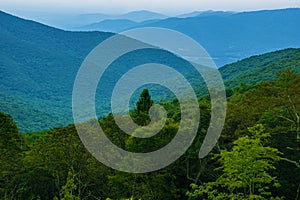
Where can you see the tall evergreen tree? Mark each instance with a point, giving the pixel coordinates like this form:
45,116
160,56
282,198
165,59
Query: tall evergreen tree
141,111
144,103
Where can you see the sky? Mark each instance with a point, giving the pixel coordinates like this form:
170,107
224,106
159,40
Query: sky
169,7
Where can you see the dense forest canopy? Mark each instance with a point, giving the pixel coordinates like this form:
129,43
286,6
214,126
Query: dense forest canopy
257,156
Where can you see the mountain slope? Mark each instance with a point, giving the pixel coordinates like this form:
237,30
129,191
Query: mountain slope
130,20
142,15
38,65
253,70
115,25
110,25
227,36
204,13
73,21
231,37
260,67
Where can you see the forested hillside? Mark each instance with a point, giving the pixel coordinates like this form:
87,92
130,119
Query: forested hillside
260,67
43,156
257,156
38,66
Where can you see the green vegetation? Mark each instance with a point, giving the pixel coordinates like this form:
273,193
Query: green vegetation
38,66
245,170
253,70
260,68
257,156
140,113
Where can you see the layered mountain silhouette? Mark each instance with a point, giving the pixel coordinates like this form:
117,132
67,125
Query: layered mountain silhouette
227,36
38,63
71,21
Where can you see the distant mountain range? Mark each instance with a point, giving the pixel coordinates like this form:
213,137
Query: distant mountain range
38,63
131,20
70,21
115,25
204,13
227,36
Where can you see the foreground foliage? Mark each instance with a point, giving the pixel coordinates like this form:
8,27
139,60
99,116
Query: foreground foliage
245,170
246,163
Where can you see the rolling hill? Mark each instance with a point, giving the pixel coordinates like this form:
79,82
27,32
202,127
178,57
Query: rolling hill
260,67
227,36
131,20
110,25
231,37
253,70
115,25
38,65
73,21
205,13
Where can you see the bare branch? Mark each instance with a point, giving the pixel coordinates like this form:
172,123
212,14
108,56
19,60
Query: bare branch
291,161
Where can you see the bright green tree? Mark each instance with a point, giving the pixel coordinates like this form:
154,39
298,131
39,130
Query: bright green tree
245,170
68,190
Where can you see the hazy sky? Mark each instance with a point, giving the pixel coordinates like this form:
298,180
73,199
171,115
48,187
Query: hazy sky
121,6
